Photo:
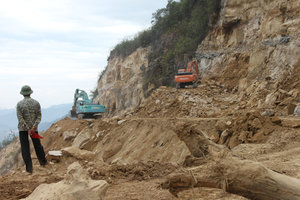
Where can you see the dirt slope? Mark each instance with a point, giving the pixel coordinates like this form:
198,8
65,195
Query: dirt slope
135,152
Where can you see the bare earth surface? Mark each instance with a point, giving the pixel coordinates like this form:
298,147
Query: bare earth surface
136,152
250,85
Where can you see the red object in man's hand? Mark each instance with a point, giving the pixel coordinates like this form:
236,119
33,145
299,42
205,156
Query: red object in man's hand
34,134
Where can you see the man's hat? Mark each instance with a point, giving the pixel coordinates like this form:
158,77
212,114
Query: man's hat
26,90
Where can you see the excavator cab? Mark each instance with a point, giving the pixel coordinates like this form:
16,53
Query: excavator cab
181,71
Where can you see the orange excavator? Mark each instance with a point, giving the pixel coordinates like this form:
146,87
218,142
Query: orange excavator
188,76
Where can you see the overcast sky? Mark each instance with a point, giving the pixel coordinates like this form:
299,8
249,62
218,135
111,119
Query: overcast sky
56,46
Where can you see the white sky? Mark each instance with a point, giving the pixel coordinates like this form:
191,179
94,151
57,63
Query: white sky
56,46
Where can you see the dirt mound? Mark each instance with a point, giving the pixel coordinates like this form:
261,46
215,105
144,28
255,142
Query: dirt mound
140,171
210,99
20,184
247,127
144,147
20,189
235,122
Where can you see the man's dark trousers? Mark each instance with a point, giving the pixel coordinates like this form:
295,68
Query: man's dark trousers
25,147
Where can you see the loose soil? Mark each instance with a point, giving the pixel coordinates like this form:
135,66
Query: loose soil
136,152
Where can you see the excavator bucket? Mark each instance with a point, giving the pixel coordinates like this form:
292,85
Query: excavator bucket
73,111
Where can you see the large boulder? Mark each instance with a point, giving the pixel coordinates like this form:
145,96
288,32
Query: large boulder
82,138
77,185
79,154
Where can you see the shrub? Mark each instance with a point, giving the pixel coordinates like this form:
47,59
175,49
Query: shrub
8,139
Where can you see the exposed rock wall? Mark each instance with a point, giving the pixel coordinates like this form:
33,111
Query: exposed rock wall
121,86
254,49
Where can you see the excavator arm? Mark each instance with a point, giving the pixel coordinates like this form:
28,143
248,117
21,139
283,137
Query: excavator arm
81,94
193,67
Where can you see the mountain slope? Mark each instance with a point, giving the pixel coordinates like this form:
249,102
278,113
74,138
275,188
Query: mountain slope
249,66
143,148
136,67
251,46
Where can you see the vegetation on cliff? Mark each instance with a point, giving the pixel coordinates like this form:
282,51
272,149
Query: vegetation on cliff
186,20
176,32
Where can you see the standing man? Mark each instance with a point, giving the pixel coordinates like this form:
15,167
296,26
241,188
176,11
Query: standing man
29,117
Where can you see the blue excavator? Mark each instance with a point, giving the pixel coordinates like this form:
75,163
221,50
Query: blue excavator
84,108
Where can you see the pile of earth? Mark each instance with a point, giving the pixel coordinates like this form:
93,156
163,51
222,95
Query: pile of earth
135,153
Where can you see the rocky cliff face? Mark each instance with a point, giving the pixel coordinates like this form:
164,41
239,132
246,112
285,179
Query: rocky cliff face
253,48
121,86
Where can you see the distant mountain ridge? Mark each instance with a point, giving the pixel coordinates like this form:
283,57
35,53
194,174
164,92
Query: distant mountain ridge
9,121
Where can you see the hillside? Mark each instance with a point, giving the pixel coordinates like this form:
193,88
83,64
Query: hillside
135,153
235,136
136,67
252,46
